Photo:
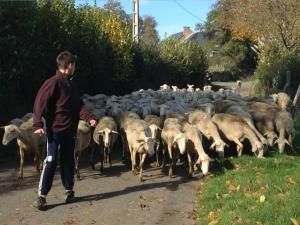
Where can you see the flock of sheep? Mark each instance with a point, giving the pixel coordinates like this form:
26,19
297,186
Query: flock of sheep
173,122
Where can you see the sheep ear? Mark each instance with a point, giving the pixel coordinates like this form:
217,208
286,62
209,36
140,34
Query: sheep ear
100,131
140,140
213,145
176,138
159,128
288,143
276,141
115,132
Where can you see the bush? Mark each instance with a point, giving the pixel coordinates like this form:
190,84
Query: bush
33,33
270,75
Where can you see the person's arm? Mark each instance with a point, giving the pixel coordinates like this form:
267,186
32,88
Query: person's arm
41,101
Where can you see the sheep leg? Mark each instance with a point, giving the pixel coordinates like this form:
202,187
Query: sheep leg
133,162
109,157
191,166
77,165
101,158
91,157
21,163
38,161
239,147
171,169
141,167
157,154
164,155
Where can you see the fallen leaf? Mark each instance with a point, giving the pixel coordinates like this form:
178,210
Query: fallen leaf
294,221
211,216
218,196
214,222
262,199
228,181
231,187
93,222
290,180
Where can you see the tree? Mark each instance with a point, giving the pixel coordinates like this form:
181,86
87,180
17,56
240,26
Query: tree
274,25
149,34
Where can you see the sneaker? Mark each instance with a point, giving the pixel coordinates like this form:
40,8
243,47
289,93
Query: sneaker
41,203
70,196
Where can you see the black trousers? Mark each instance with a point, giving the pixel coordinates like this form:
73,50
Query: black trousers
64,146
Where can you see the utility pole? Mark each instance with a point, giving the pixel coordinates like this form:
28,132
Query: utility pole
135,22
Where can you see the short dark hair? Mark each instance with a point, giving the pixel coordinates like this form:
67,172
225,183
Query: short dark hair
64,59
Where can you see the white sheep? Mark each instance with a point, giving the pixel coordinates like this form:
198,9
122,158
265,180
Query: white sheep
235,129
82,142
105,136
139,140
172,138
27,141
194,145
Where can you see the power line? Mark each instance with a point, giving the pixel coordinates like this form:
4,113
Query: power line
188,11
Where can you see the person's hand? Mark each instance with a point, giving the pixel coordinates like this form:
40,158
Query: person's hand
39,132
93,122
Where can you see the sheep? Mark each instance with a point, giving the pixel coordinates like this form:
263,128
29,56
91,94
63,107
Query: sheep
265,125
173,137
285,128
190,88
174,88
139,140
239,111
27,141
105,135
123,123
165,87
208,129
236,129
283,100
82,142
207,88
194,145
155,124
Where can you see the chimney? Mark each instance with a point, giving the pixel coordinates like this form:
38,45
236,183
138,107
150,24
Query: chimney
187,31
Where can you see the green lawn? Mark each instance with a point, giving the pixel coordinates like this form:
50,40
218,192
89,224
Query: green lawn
253,191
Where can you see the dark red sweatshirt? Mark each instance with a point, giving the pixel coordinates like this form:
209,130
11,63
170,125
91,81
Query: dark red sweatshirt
59,102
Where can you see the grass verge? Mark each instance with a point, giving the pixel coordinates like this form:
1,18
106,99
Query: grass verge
254,191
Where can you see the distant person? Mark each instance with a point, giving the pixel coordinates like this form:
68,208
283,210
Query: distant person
207,79
58,101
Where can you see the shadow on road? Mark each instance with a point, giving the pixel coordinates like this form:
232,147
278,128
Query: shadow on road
170,185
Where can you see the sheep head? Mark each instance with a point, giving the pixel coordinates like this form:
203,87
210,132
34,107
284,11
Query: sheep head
11,132
281,144
146,144
106,134
258,149
220,146
271,136
180,140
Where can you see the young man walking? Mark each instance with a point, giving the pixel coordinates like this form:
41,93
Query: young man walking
59,102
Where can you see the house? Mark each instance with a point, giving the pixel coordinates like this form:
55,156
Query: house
187,35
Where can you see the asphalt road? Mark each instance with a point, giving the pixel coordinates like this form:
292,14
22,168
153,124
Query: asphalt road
114,198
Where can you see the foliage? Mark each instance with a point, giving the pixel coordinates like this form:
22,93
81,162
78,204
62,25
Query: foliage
274,25
226,55
149,34
32,33
270,75
253,191
186,59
